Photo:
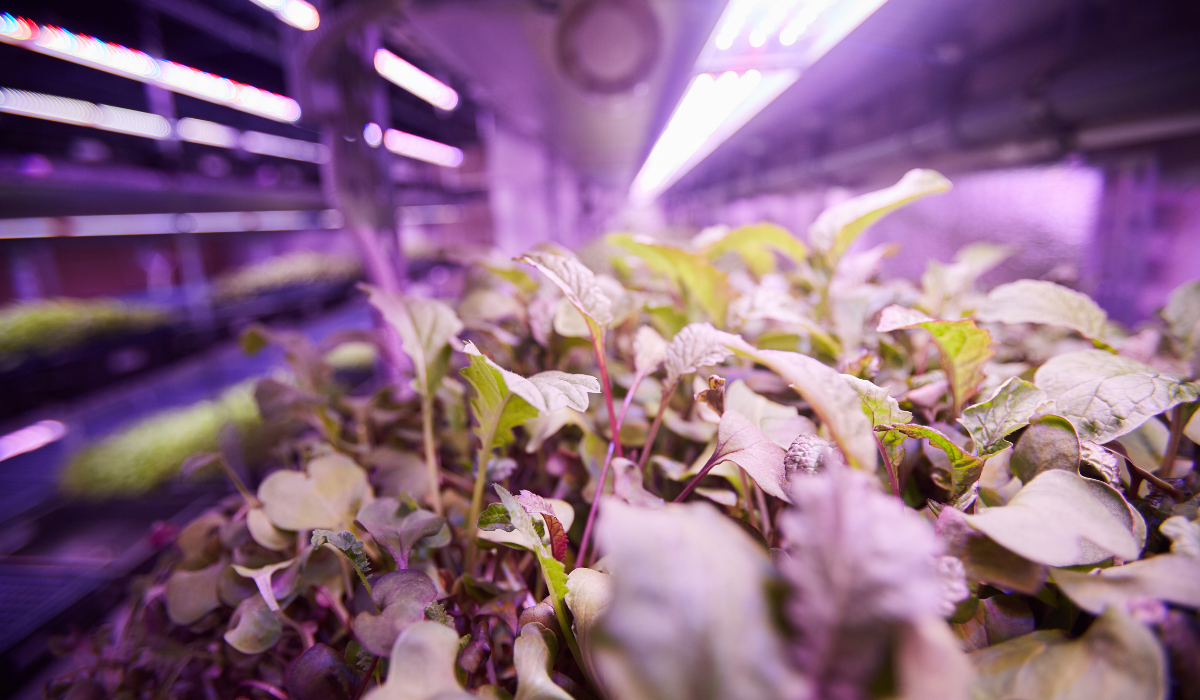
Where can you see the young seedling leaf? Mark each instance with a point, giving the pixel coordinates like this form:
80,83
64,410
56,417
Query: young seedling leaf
649,350
1038,301
271,590
741,442
577,283
1171,578
757,245
831,397
589,594
535,504
401,597
1050,442
495,517
964,348
781,423
697,345
1117,658
425,327
497,411
399,527
877,403
327,497
533,656
421,666
264,531
193,594
1106,396
254,628
691,272
965,467
837,227
1062,519
660,553
1008,409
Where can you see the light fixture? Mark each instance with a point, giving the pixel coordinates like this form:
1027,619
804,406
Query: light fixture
30,438
130,63
68,111
127,121
297,13
155,224
415,80
413,146
373,134
740,72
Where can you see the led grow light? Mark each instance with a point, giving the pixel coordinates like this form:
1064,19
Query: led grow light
297,13
156,224
415,80
413,146
129,63
741,70
208,133
68,111
30,438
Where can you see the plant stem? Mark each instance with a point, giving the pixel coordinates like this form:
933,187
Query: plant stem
249,498
662,407
362,687
587,529
887,462
614,426
485,453
766,513
435,488
1168,461
746,491
561,613
687,490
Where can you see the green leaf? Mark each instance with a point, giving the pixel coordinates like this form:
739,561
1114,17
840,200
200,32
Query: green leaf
193,594
741,442
837,227
495,517
425,327
253,628
1172,578
964,348
401,598
589,593
1182,314
399,527
716,639
346,543
422,665
265,533
984,559
533,656
1049,443
877,403
1062,519
1118,658
781,423
1106,396
327,497
1010,408
696,345
965,468
494,403
691,272
1037,301
756,244
577,282
831,397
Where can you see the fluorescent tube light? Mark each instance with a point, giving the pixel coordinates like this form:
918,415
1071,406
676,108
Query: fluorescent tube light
154,224
297,13
712,109
68,111
30,438
751,72
413,146
415,80
127,121
130,63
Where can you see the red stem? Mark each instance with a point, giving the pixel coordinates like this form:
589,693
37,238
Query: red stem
614,426
687,490
887,462
587,529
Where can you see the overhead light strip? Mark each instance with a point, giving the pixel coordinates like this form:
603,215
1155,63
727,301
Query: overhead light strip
412,146
415,80
30,438
296,13
783,38
131,63
154,224
127,121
